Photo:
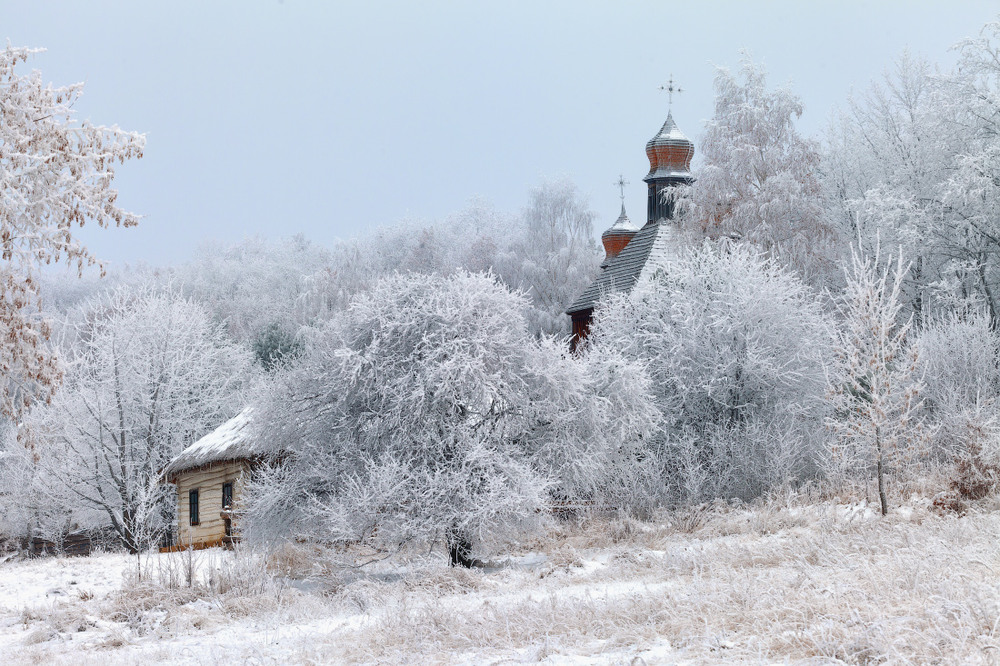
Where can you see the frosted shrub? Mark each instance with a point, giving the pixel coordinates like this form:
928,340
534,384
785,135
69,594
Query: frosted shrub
958,358
977,456
734,346
428,412
594,436
958,364
742,460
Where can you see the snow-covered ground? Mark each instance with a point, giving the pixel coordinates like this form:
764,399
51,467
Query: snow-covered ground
785,582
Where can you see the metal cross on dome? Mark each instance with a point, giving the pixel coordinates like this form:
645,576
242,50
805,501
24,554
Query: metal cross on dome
670,89
621,183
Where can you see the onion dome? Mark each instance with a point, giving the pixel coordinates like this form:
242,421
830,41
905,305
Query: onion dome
618,235
669,154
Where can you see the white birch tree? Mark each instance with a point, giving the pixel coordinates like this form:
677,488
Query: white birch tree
758,180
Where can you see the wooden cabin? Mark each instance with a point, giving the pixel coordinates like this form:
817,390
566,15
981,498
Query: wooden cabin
209,477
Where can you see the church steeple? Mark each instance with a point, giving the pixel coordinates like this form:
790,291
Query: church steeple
631,252
618,235
669,154
621,232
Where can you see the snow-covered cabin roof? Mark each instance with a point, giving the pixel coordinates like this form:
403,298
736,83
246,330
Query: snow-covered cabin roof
230,441
653,247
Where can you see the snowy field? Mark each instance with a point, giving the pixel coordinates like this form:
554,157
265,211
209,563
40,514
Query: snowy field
792,581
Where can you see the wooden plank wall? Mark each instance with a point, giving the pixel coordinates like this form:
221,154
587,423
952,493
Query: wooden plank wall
208,480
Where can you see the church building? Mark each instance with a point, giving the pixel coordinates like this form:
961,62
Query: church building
631,251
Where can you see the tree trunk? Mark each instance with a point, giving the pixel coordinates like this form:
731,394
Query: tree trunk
130,531
880,472
459,550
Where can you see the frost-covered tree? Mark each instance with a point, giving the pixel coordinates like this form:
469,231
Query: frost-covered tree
758,180
555,257
407,417
873,388
548,251
735,347
252,287
428,411
55,174
887,155
968,199
148,374
33,504
912,164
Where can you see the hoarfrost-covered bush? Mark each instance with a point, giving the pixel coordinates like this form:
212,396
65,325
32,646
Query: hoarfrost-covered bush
595,436
735,347
426,412
957,362
958,365
959,358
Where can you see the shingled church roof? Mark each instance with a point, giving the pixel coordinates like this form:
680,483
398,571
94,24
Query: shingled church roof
651,248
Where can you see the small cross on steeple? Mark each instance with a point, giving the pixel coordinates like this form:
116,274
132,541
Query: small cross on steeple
621,183
670,89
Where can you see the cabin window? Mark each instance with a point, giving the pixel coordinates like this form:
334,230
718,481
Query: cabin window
227,495
193,506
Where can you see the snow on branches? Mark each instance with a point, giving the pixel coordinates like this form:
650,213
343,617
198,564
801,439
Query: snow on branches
54,175
735,347
759,178
873,388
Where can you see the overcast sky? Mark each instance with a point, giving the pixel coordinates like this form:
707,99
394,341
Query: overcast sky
330,118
